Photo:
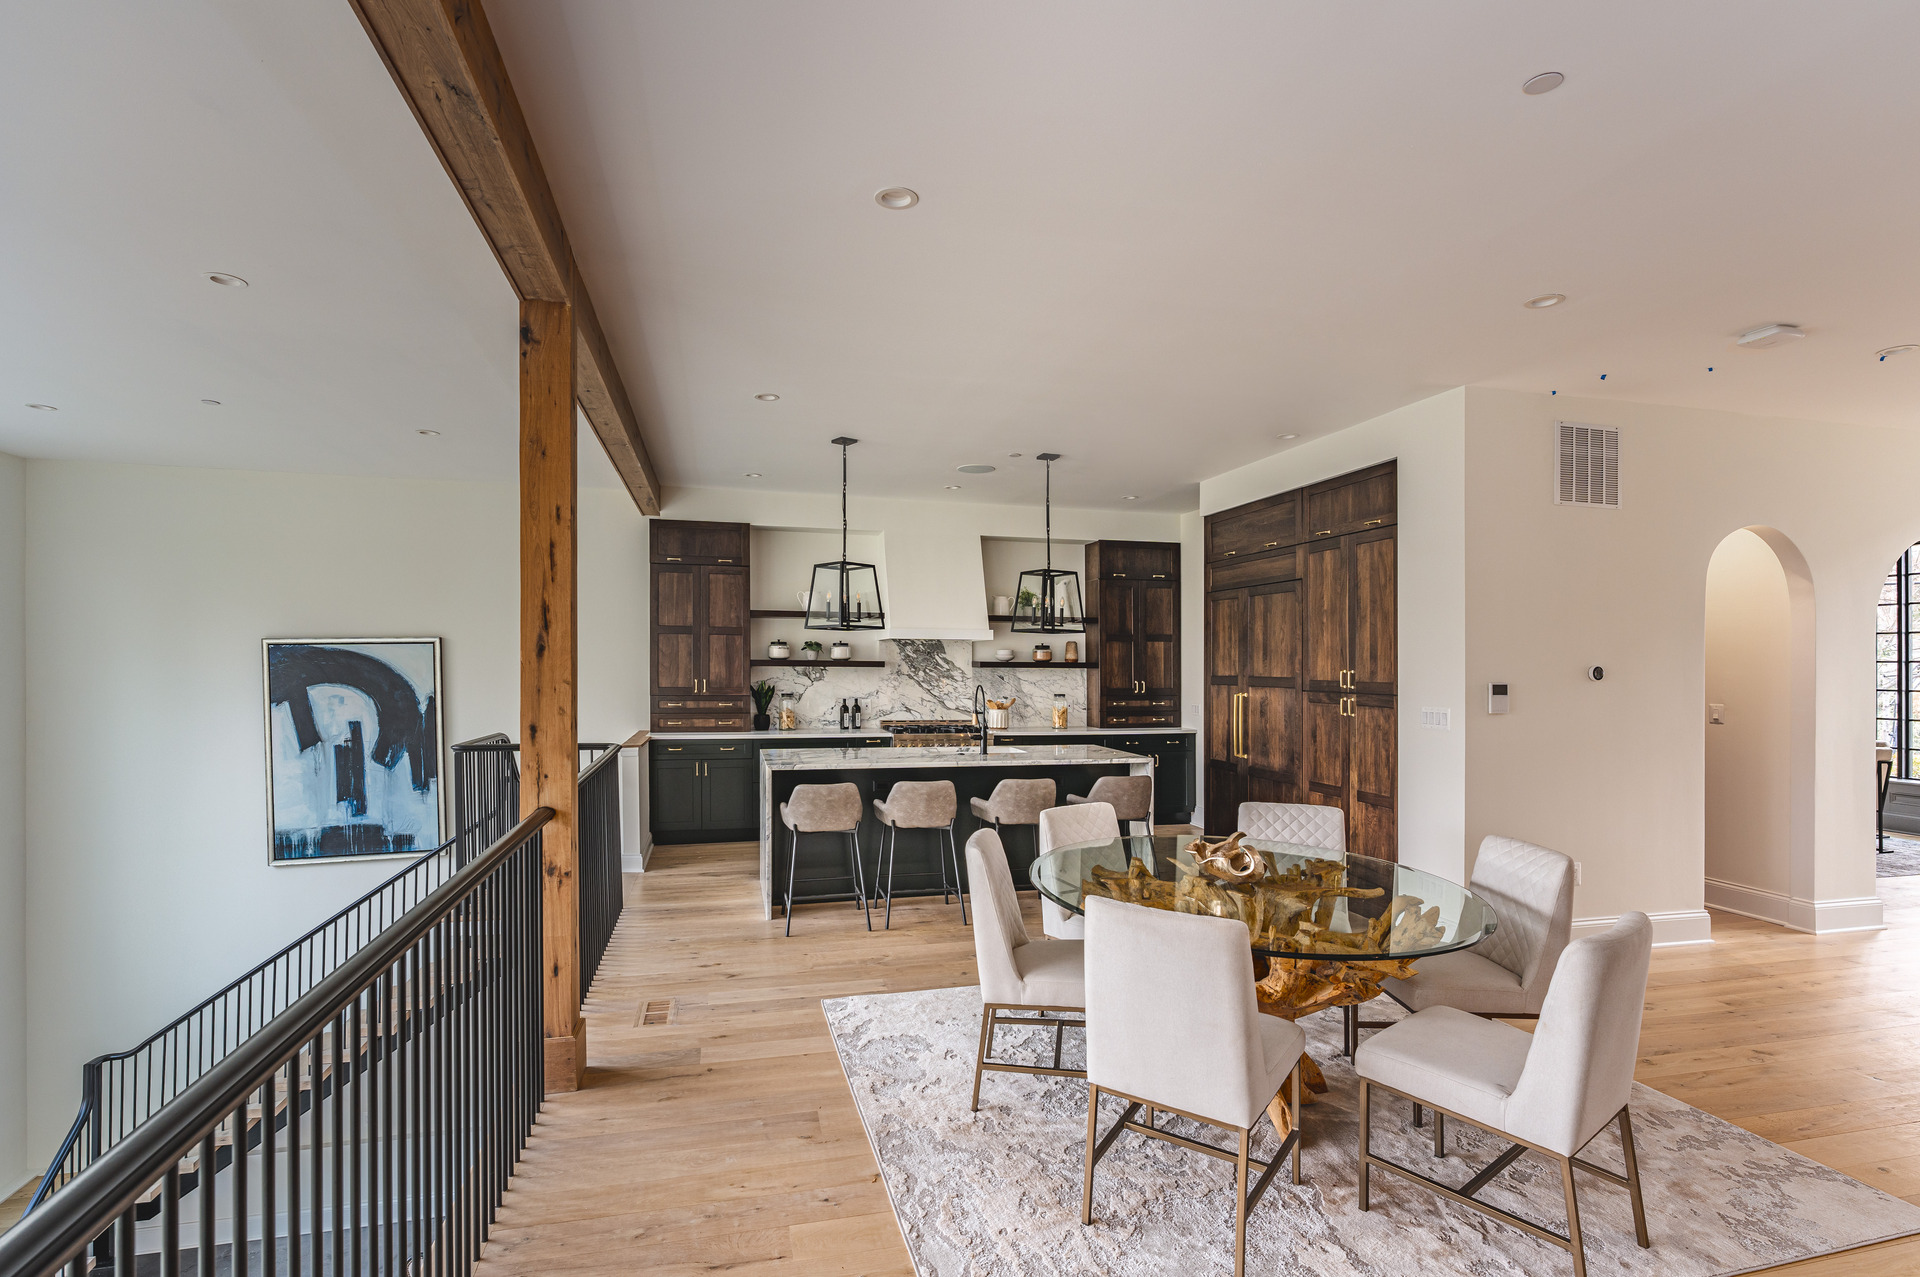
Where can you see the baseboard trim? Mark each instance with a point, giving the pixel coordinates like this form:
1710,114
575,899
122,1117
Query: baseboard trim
1679,926
1816,917
632,863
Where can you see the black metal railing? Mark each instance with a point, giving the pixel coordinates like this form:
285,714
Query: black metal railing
123,1089
601,888
370,1128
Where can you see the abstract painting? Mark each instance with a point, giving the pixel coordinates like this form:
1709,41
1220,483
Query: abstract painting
353,747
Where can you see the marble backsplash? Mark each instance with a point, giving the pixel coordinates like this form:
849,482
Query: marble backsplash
927,678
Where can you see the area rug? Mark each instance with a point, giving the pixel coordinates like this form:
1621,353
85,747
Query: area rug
1901,859
998,1191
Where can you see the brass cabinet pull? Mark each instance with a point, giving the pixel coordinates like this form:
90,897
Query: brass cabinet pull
673,558
1236,724
1159,576
727,749
1270,545
1373,523
1324,532
1231,553
723,560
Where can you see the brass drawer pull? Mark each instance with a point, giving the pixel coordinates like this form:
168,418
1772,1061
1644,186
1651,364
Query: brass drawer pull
1373,523
1270,545
1325,532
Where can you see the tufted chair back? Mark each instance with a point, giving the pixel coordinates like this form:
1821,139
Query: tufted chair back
1531,891
1306,824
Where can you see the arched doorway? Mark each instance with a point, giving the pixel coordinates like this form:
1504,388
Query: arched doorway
1760,729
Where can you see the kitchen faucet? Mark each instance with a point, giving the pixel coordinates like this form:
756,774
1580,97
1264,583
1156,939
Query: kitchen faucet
980,714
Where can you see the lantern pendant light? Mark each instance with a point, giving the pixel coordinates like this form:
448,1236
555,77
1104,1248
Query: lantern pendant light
1049,598
845,595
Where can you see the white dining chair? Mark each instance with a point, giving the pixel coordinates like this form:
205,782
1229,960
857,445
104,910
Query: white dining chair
1083,822
1044,978
1551,1091
1305,824
1173,1025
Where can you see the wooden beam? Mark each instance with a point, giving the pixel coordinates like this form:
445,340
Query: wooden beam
442,55
549,657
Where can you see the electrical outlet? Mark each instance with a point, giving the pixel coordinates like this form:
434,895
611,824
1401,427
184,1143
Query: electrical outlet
1576,873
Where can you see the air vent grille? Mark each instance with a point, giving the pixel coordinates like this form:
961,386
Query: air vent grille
1588,470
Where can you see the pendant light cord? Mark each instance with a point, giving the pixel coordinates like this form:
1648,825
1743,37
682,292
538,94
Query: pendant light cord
843,503
1049,516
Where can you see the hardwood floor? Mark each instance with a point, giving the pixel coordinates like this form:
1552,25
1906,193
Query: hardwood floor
726,1138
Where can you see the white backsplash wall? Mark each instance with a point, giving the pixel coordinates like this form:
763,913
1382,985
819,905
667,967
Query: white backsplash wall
926,678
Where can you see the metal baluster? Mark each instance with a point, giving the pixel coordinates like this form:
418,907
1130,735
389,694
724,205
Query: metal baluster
237,1244
316,1151
293,1166
336,1111
170,1223
356,1049
204,1203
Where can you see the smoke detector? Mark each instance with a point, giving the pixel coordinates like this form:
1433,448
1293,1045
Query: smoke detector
1768,335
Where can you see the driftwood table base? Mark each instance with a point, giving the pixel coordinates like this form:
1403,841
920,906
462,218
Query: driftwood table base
1291,989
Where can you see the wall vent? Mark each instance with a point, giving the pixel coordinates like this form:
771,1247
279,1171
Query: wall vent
1588,466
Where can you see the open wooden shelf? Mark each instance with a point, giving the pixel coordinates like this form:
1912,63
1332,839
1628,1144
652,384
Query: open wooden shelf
1035,665
1007,620
759,614
837,664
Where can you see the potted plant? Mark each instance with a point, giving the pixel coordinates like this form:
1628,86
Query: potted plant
778,650
812,649
1026,601
762,697
841,650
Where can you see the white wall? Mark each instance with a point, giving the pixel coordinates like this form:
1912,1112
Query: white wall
15,1152
1749,672
148,591
1428,440
1614,773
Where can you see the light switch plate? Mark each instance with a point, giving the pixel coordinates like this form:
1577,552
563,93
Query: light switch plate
1716,713
1440,720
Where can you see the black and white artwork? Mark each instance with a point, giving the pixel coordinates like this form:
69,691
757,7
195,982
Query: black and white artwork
353,747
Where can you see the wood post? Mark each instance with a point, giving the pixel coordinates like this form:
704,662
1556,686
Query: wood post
549,697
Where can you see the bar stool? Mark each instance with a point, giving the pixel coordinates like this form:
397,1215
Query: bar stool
825,809
920,804
1015,802
1131,798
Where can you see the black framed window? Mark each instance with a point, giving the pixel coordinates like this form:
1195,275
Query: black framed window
1897,688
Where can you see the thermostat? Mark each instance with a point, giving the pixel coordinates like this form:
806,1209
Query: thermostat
1496,698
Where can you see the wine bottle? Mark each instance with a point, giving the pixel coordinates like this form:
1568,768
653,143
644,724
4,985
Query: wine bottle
845,714
856,713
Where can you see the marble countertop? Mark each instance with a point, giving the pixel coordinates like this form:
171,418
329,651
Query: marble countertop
875,759
805,733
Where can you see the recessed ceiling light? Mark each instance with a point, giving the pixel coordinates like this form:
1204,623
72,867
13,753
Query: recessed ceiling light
976,468
1289,436
766,398
429,433
1545,82
1544,300
43,407
953,487
1768,335
227,281
1013,454
897,197
751,474
1895,350
1129,498
211,403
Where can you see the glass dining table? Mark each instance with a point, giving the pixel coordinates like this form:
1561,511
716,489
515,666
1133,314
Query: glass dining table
1326,928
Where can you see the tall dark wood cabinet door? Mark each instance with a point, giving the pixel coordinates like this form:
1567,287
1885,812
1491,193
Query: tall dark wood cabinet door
1371,824
1326,771
1157,649
723,627
1273,707
1119,634
1225,644
676,590
1371,563
1329,615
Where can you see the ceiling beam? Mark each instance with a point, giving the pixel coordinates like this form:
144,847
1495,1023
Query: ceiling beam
443,57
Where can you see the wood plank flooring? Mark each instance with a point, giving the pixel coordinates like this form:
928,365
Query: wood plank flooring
726,1138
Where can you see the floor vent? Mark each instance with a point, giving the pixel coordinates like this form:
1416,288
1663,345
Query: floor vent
1588,470
656,1012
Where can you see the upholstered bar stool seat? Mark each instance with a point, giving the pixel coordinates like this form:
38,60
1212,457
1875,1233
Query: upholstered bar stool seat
1014,802
825,809
1131,798
920,804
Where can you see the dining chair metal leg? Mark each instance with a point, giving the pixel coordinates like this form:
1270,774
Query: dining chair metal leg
1093,1133
1419,1114
1439,1133
1293,1110
987,1013
1577,1247
1366,1132
793,862
1633,1180
1240,1206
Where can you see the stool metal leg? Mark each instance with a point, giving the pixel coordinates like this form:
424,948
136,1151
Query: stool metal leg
793,861
892,849
859,875
959,889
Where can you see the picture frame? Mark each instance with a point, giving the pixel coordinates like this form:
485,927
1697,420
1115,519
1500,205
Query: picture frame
355,754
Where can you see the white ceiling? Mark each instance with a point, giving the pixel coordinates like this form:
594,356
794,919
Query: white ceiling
1153,237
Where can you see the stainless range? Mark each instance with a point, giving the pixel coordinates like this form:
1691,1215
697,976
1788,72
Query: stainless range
908,733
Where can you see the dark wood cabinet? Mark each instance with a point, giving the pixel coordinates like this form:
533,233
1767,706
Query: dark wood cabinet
1133,592
1301,664
701,589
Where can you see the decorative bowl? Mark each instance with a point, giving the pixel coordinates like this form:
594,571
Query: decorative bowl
1003,654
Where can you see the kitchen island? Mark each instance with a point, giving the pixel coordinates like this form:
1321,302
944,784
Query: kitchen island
822,873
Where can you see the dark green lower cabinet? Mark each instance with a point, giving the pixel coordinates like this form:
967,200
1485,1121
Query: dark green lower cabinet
1173,759
709,791
674,793
727,792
